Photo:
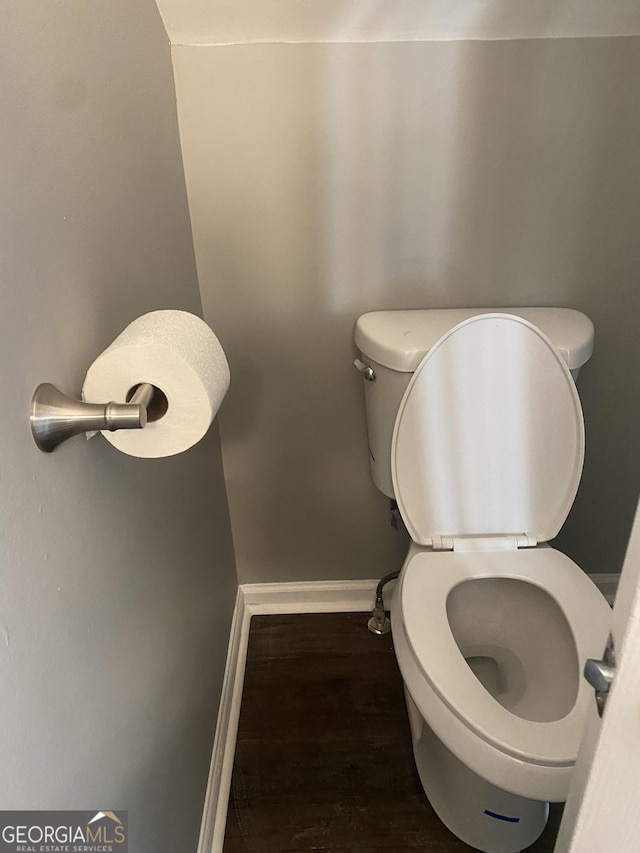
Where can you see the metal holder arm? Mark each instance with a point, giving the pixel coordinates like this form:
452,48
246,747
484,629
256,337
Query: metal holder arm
55,417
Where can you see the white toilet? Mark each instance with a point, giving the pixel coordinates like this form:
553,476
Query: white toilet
475,427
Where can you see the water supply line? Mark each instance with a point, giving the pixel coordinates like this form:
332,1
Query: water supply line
379,623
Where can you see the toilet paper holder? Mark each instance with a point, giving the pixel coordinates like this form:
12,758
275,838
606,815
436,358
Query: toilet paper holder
55,417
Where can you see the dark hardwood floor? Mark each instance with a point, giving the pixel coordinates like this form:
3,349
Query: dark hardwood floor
323,759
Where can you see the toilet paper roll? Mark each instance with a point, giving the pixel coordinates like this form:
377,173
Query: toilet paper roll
177,353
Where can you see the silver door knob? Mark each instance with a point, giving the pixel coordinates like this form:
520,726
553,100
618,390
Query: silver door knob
600,674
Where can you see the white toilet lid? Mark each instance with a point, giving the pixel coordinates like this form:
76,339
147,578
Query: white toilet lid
489,436
427,581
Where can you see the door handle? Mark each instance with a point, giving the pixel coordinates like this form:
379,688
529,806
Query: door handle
600,674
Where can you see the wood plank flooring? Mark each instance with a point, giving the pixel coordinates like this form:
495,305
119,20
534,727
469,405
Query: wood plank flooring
323,759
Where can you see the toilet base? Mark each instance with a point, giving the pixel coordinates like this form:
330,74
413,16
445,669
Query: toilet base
480,814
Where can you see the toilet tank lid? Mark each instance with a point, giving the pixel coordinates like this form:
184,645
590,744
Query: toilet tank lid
400,339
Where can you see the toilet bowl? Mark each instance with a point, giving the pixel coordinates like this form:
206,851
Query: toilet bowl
491,626
491,654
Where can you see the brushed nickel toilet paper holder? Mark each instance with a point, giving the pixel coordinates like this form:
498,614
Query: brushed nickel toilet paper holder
55,417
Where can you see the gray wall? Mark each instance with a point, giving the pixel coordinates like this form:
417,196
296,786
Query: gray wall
117,574
328,180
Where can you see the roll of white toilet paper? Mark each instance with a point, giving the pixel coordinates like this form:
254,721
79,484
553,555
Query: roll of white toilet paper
177,353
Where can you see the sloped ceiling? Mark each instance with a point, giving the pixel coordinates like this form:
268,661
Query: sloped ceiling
209,22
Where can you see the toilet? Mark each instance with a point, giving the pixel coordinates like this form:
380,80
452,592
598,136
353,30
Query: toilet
475,429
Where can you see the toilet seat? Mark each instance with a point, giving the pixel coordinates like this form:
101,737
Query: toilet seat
489,435
428,579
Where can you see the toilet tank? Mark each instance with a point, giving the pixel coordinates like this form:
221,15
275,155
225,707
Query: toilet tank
393,343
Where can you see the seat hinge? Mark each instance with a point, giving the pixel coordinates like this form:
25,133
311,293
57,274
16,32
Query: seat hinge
506,542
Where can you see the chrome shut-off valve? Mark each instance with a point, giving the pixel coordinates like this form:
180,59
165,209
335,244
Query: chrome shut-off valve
379,622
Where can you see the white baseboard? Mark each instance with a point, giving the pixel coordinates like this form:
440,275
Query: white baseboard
310,596
607,583
214,816
261,598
